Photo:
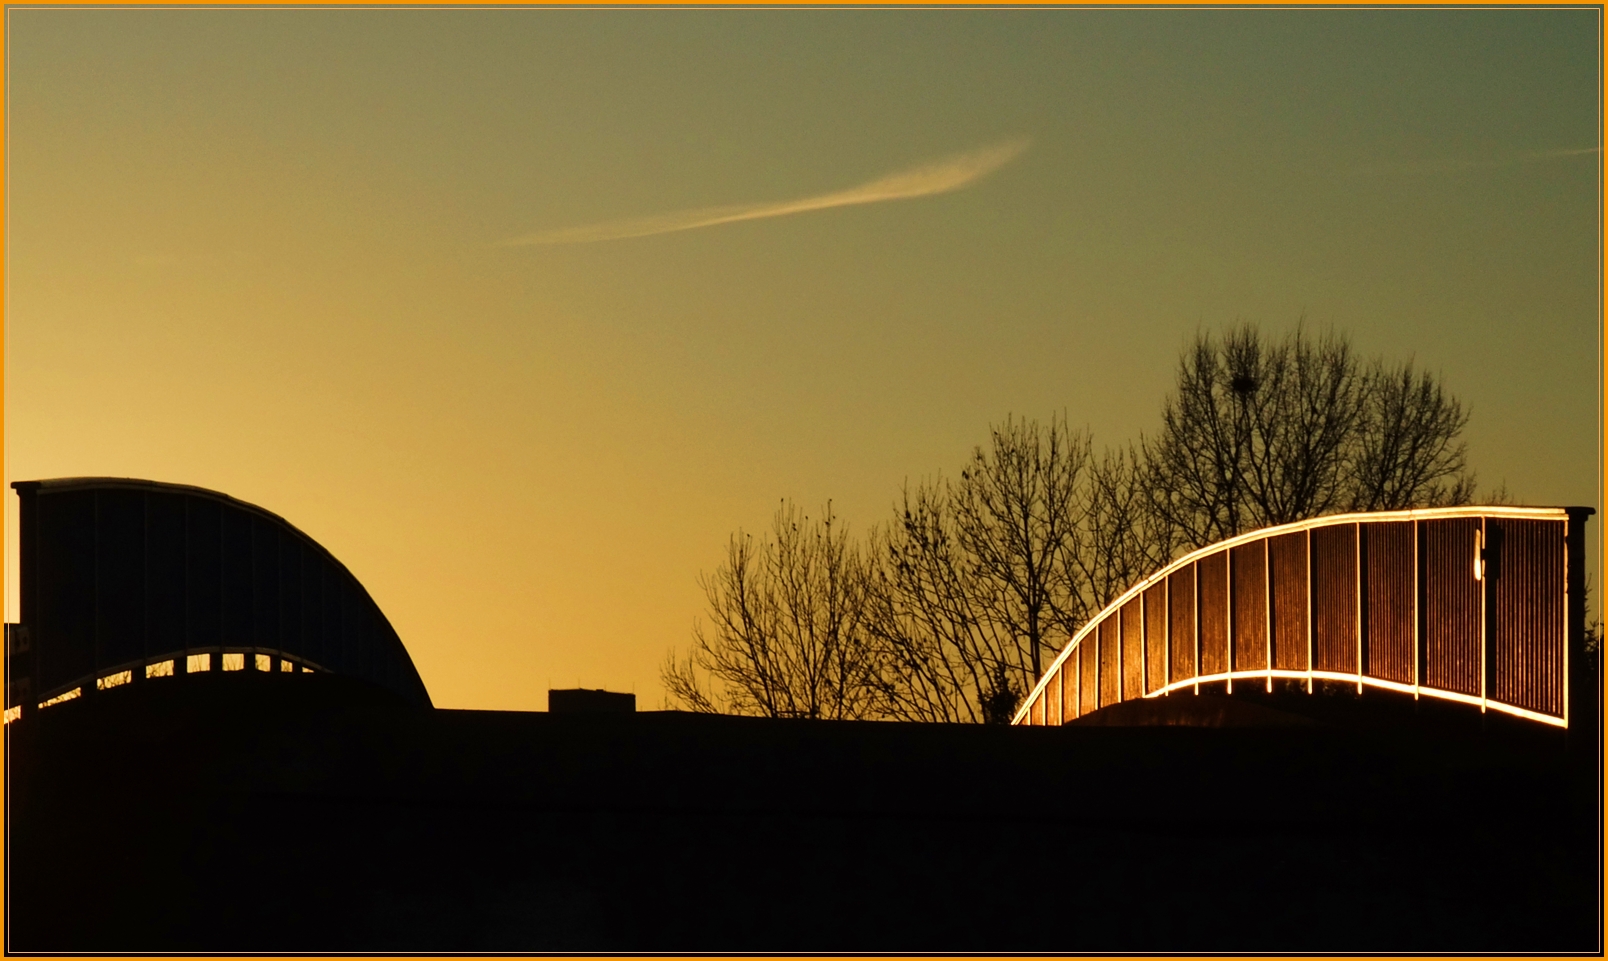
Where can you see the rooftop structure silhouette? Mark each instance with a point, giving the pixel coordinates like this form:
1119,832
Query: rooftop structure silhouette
330,807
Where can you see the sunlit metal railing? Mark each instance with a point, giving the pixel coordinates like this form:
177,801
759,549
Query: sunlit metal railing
1480,605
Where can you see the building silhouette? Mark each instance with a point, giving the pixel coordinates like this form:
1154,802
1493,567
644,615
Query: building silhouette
313,800
125,581
582,701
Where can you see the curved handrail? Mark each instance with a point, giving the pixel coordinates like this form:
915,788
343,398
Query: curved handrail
1541,610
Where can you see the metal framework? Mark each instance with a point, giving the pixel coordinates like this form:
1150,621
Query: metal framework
1479,605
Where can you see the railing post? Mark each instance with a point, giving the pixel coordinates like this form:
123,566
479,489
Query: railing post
1485,610
1166,634
1361,625
1122,667
1582,689
1311,615
1417,604
1077,681
1228,612
1267,597
1144,648
1194,580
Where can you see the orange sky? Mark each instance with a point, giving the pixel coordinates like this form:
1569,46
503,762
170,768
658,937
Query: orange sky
278,253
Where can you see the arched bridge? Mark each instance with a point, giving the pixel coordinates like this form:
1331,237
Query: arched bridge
131,581
1480,605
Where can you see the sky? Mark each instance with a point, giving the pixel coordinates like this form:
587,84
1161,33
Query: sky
522,312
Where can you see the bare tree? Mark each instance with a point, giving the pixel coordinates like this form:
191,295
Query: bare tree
1261,433
977,582
787,637
1409,454
1256,434
942,656
1124,537
1017,511
955,607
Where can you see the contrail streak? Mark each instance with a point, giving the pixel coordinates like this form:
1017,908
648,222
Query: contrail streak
938,177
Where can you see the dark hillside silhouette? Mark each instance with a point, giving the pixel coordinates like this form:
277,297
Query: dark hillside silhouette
255,812
303,796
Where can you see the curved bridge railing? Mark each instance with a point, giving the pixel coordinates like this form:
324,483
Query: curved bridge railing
1482,605
127,580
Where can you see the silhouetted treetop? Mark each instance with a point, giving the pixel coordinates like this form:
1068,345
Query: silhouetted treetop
1260,432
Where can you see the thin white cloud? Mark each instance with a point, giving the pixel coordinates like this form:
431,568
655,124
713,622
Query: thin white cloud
937,177
1458,165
